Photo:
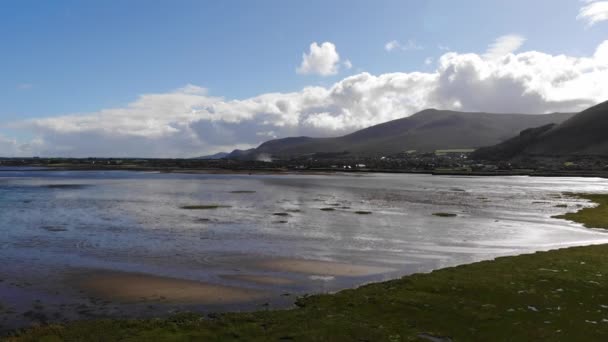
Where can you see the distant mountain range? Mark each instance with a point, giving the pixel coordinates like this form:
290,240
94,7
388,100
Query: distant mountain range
426,131
585,134
218,155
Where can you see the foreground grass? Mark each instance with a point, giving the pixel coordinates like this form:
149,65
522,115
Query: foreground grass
556,295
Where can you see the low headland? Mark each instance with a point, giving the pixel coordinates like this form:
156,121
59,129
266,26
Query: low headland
555,295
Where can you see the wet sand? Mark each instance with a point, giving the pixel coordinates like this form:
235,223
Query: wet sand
319,267
134,287
259,279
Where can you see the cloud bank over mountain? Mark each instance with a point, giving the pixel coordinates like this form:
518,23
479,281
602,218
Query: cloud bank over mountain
190,121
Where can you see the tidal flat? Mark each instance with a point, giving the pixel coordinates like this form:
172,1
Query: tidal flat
555,295
130,225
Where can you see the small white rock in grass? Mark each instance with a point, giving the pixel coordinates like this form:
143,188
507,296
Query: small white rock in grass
532,308
590,322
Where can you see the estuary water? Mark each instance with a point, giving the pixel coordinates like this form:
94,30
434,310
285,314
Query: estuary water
86,244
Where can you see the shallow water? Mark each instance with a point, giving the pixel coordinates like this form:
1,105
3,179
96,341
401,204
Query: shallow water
59,229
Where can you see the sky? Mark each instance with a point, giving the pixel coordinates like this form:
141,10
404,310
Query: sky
146,78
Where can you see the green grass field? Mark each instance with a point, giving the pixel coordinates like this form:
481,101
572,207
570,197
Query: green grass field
591,217
559,295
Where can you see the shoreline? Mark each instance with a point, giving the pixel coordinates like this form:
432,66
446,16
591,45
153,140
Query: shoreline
316,171
558,294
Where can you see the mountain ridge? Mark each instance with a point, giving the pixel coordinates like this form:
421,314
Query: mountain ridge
584,134
425,131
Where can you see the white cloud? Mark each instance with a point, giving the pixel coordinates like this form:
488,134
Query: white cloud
428,61
443,47
504,45
10,147
594,12
407,46
189,121
601,53
392,45
7,146
348,64
322,59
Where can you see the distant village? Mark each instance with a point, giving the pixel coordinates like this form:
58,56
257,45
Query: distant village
440,162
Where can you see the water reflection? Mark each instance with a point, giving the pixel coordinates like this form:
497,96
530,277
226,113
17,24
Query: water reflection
53,224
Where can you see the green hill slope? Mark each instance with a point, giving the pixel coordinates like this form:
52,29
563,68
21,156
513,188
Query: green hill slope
425,131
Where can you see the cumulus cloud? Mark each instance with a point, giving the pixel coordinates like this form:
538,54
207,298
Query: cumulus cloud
189,121
7,146
504,45
594,12
407,46
10,147
321,59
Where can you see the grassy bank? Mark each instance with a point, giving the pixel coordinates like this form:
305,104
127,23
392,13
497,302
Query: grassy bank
591,217
556,295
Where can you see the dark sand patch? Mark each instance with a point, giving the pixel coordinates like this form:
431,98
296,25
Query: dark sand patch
204,207
134,287
363,212
328,209
259,279
54,228
242,192
319,267
444,215
65,186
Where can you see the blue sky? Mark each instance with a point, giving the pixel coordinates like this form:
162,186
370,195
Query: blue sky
77,57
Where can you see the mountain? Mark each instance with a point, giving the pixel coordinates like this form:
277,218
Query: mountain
512,147
585,134
242,154
218,155
425,131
